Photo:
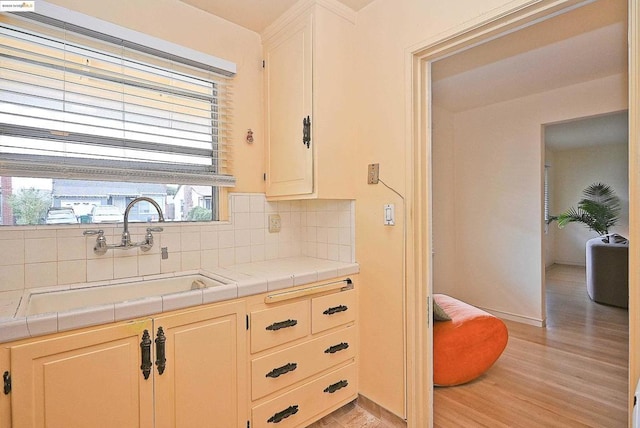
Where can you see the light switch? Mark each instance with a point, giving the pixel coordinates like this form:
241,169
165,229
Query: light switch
389,215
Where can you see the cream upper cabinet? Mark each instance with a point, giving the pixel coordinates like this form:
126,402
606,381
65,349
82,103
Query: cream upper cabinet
309,119
183,369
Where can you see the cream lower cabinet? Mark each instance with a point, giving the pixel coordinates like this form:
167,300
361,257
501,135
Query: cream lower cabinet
303,354
116,376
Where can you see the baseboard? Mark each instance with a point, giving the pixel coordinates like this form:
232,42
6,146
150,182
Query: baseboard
390,419
517,318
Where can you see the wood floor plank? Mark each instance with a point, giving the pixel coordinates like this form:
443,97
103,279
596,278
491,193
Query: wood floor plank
573,373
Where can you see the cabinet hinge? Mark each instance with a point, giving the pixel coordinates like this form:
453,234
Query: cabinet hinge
7,383
264,176
263,63
247,318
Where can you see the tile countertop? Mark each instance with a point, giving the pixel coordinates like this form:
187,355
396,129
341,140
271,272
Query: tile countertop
244,280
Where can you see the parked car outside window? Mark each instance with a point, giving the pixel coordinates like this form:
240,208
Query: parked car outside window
62,215
106,214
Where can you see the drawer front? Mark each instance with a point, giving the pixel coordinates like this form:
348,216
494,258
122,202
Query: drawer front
275,326
298,406
333,310
281,369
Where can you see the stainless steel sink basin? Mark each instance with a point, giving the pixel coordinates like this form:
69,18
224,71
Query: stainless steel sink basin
35,302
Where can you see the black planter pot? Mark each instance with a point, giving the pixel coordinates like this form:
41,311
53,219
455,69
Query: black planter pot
608,271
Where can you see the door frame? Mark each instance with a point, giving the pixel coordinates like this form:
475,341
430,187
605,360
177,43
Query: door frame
418,127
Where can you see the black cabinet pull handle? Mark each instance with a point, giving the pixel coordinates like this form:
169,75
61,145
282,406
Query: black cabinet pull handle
335,310
278,417
6,377
335,348
306,131
145,347
282,370
282,324
161,360
336,386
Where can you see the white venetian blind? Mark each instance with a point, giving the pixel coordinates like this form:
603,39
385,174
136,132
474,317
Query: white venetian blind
82,105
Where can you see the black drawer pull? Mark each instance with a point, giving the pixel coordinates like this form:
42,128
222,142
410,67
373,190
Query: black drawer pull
335,310
161,360
145,348
335,348
336,386
278,417
282,324
282,370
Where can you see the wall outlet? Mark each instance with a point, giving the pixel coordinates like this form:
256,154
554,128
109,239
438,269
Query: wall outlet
373,174
274,223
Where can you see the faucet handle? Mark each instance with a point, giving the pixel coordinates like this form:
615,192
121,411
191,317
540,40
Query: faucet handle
93,232
154,229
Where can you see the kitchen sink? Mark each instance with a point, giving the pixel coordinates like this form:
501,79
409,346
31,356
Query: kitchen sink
38,302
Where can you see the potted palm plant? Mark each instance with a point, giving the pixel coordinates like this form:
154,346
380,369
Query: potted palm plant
607,257
599,210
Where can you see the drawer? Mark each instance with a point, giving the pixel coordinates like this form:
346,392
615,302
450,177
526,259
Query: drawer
297,407
333,310
275,326
281,369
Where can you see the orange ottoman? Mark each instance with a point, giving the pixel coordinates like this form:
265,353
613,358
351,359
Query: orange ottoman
466,346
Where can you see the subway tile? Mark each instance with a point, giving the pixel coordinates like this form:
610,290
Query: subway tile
12,252
173,241
242,254
242,220
40,250
71,248
190,260
100,269
345,254
190,241
226,256
241,203
40,233
72,272
10,234
148,264
226,239
256,204
209,240
333,235
333,252
284,206
258,221
257,253
242,238
257,236
40,274
171,264
125,267
12,277
209,259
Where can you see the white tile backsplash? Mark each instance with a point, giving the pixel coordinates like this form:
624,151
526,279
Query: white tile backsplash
48,256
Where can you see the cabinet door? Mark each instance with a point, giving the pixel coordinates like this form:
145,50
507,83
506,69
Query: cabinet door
86,379
203,383
289,91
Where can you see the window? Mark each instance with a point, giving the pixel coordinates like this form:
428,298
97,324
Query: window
78,107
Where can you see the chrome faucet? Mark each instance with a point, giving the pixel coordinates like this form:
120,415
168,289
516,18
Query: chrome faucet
101,245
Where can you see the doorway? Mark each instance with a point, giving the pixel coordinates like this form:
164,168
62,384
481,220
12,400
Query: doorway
423,269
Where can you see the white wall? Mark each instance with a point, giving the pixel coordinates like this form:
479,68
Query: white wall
498,159
574,170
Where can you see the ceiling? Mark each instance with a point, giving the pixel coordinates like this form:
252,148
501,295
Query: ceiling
584,44
256,15
588,132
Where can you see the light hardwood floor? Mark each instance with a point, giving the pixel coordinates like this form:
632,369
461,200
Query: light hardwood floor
573,373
